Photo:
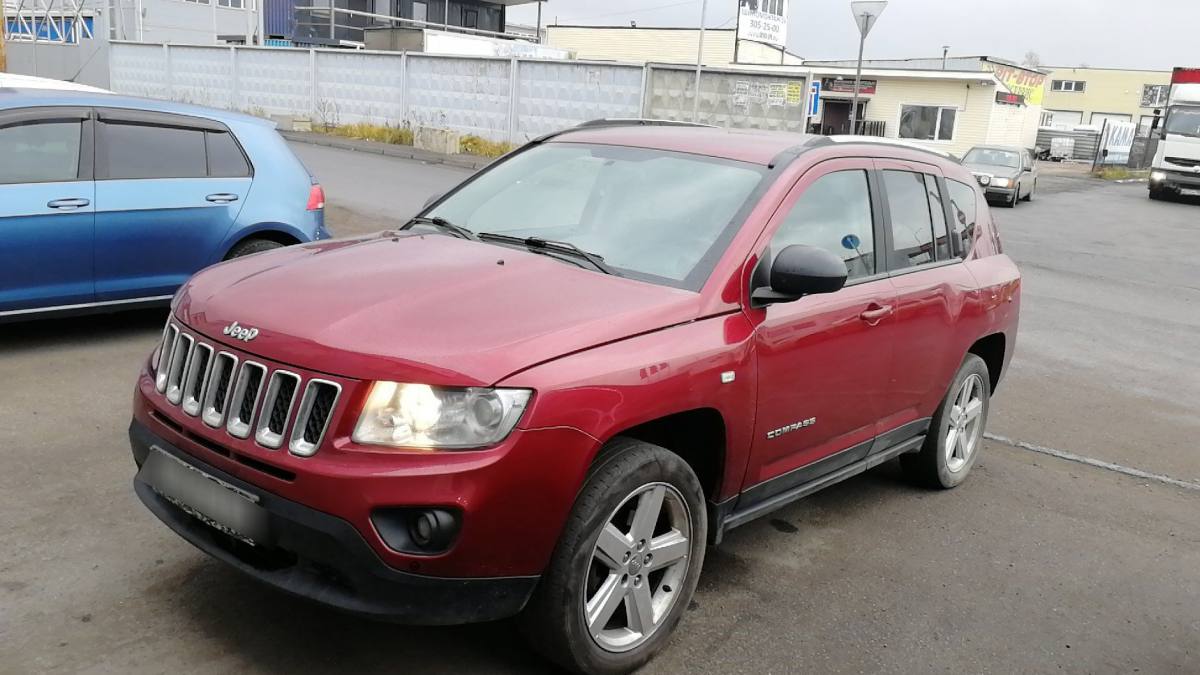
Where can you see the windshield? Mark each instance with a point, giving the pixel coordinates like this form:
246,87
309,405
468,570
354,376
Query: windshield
649,214
1183,120
993,157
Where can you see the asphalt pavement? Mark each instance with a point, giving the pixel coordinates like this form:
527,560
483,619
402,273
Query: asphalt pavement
1035,565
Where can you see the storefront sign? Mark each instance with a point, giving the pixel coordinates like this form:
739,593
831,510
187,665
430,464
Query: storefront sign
833,85
1027,83
1010,99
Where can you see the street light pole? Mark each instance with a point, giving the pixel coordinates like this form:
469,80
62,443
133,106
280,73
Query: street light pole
866,12
699,64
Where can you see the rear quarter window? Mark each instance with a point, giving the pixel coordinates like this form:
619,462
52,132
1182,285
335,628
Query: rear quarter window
964,212
225,158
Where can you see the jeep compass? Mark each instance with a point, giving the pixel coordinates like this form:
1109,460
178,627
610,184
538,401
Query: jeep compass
546,394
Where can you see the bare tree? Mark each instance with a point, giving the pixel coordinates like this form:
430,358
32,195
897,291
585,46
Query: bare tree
1031,59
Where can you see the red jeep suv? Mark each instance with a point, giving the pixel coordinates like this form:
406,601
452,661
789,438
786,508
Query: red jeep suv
546,394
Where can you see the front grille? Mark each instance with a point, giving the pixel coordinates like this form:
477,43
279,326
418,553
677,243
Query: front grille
241,396
1183,161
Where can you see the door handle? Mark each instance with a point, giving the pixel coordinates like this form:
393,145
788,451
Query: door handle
222,198
874,313
68,204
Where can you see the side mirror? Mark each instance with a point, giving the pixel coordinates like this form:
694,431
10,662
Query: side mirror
800,270
433,198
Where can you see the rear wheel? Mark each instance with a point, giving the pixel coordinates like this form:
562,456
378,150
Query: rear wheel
626,565
956,431
253,245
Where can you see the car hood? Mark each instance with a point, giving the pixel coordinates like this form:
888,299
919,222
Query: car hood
428,308
992,170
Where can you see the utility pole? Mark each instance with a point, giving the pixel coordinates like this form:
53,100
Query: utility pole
866,12
3,34
699,63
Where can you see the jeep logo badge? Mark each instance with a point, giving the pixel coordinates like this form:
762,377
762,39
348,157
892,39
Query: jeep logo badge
242,333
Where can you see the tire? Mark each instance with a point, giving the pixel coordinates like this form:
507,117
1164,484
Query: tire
1012,203
627,476
1029,197
936,467
1159,194
250,246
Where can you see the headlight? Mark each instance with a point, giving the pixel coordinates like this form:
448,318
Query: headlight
984,180
1002,182
1157,176
421,416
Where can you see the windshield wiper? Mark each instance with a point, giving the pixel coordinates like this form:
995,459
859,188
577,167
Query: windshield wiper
537,243
442,224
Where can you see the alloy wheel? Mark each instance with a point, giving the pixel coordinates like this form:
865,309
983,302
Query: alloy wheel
636,572
966,423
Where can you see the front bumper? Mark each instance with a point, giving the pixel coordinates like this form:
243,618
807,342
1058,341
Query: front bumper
318,556
992,192
1175,180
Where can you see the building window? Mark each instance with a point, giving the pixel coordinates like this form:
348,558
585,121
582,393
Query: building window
1067,85
233,4
927,122
420,11
470,18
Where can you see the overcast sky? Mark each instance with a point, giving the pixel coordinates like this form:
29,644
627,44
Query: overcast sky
1155,34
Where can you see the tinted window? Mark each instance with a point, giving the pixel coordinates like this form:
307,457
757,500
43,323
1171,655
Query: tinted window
939,218
225,158
912,229
655,215
48,152
834,213
962,214
140,151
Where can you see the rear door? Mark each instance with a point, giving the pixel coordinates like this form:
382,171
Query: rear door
932,287
168,189
823,360
47,208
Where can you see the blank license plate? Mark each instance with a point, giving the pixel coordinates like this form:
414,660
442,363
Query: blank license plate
225,507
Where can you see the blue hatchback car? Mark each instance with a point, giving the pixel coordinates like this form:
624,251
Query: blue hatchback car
111,202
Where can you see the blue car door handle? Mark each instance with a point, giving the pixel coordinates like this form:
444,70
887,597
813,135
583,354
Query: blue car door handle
222,198
68,204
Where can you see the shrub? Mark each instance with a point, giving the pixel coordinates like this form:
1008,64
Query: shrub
375,132
474,145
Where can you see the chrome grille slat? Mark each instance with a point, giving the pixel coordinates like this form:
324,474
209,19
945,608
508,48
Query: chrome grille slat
180,356
197,376
244,402
216,391
313,417
276,408
170,337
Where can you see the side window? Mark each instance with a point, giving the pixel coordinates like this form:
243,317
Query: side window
940,239
834,213
48,152
145,151
963,215
225,158
912,227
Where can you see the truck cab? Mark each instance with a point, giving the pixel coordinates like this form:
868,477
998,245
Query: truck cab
1176,166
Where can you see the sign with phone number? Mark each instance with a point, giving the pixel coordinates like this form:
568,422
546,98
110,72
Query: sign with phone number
763,21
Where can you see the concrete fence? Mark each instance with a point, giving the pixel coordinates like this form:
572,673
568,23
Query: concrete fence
500,99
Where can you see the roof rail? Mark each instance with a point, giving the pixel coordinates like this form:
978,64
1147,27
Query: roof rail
877,140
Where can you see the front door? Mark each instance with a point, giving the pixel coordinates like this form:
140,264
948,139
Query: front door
47,208
162,210
823,360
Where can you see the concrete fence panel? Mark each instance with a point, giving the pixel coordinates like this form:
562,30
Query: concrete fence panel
139,70
553,95
356,87
275,81
469,95
730,98
204,76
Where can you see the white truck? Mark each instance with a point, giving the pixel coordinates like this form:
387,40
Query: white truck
1176,166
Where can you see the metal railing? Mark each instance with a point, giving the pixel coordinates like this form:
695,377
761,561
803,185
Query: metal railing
56,21
337,25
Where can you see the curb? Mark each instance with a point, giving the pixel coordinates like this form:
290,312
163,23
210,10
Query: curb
1132,180
386,149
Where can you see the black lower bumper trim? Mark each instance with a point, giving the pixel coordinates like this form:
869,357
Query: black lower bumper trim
323,558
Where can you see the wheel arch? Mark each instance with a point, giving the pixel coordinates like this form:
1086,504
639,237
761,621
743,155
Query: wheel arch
280,233
991,349
698,436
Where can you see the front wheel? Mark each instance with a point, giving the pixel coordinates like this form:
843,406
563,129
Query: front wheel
956,431
626,565
1029,197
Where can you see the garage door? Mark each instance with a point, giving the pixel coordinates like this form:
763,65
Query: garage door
1069,118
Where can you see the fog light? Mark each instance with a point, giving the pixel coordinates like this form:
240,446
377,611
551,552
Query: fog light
422,531
1157,176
